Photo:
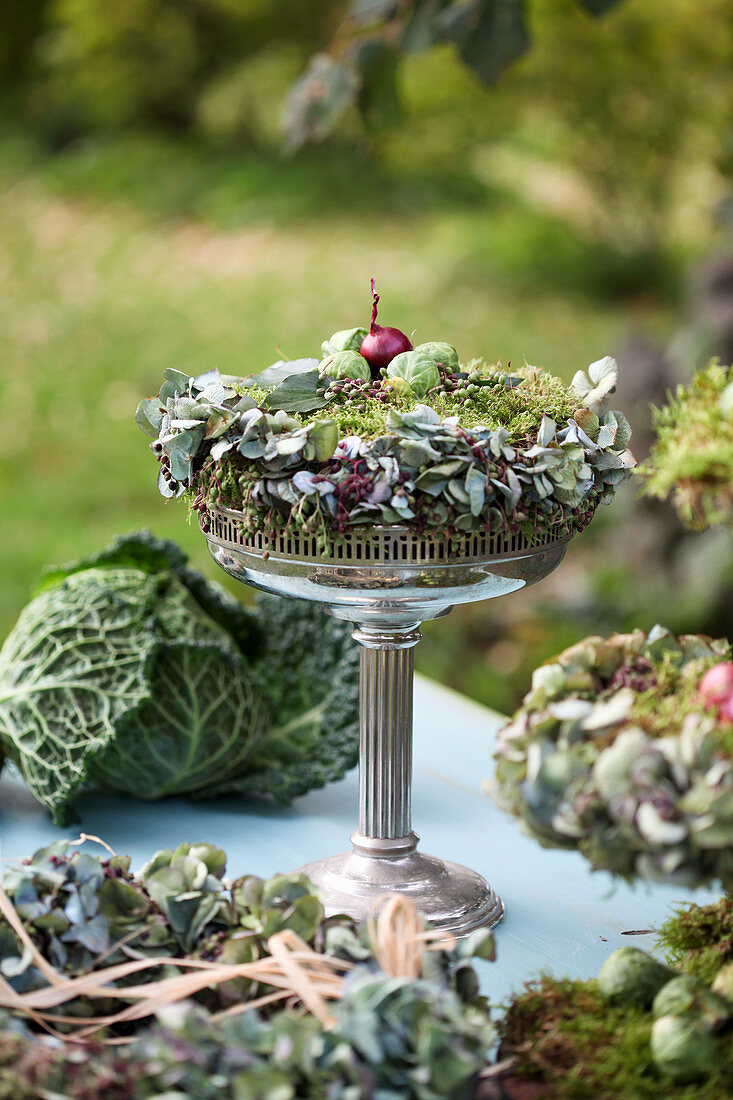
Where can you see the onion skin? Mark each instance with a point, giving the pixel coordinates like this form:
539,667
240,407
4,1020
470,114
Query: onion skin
382,343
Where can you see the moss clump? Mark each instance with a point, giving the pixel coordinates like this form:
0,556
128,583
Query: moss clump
698,939
565,1037
25,1070
518,408
693,456
673,693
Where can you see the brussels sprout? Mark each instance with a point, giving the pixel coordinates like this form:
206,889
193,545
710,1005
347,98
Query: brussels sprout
418,369
400,385
440,353
631,977
682,1049
687,996
723,984
345,364
349,339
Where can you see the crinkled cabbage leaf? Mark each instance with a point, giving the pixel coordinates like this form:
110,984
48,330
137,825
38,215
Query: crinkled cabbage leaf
311,678
131,671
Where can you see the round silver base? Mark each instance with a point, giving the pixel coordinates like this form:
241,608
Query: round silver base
453,898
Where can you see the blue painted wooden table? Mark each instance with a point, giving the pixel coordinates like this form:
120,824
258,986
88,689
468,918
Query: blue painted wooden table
560,918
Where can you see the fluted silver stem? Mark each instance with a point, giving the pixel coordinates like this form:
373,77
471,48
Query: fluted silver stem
385,751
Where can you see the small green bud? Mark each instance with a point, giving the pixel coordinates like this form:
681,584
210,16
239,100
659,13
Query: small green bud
399,386
688,996
630,976
683,1049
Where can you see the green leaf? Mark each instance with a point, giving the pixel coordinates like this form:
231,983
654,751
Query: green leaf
148,416
141,550
219,422
129,670
423,28
476,486
273,375
598,7
319,99
313,737
297,393
347,339
368,10
379,97
182,450
325,435
178,377
205,721
489,34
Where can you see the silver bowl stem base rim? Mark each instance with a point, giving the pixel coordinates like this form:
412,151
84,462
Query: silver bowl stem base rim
453,898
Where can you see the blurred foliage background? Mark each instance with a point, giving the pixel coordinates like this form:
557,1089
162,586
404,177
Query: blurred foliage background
150,217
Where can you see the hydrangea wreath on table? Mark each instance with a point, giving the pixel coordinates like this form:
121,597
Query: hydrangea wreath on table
379,432
623,749
177,982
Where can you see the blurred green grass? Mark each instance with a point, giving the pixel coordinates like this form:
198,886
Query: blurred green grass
121,259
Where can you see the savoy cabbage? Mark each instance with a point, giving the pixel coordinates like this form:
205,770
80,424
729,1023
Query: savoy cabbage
131,671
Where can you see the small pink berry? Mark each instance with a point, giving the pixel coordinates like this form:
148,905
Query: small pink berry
716,686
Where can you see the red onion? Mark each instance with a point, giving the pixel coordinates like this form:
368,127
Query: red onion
382,344
716,686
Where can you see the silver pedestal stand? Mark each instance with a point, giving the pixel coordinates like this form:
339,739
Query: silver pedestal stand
388,581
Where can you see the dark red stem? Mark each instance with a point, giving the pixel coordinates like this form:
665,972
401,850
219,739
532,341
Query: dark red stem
375,296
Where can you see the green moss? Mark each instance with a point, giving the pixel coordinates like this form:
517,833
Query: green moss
661,709
699,938
25,1070
565,1036
257,394
693,456
519,409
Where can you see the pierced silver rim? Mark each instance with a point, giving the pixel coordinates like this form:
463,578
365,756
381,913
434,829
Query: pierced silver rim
379,545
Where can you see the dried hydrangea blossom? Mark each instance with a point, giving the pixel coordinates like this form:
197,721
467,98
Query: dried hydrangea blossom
616,753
